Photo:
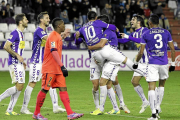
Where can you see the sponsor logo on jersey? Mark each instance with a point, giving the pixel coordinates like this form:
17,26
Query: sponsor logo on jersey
43,32
53,45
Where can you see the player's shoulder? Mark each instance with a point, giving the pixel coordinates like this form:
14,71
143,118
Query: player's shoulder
39,29
145,29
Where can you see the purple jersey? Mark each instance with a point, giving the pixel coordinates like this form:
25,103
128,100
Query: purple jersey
92,31
18,45
111,37
38,46
138,34
156,40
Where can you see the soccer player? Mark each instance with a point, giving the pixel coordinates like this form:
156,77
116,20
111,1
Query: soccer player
156,40
54,72
137,22
40,37
15,45
95,72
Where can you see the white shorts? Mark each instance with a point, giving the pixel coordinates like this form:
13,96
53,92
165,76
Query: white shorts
109,53
109,70
17,73
35,72
156,72
143,68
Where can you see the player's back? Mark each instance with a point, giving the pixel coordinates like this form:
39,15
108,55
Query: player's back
111,36
54,42
92,31
156,41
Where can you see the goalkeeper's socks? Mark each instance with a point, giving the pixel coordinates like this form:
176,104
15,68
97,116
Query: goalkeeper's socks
40,100
65,99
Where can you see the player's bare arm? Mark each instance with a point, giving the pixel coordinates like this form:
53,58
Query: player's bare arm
77,34
45,37
66,33
7,47
140,54
99,45
171,46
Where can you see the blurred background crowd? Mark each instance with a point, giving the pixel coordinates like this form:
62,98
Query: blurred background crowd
74,14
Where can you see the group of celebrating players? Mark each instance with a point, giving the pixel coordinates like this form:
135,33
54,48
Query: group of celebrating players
102,40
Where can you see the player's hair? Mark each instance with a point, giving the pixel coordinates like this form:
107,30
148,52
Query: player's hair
19,17
40,16
56,22
154,19
104,18
91,15
140,19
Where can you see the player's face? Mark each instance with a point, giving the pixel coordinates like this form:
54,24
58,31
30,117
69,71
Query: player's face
25,22
46,20
150,24
62,27
134,22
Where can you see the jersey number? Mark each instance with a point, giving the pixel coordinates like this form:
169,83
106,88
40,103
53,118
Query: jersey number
160,45
88,34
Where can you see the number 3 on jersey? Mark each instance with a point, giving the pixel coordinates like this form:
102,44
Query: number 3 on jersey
159,41
88,34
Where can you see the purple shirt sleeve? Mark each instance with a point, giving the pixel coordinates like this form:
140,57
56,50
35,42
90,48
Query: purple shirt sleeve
12,37
78,41
137,40
123,40
143,39
41,33
169,37
105,25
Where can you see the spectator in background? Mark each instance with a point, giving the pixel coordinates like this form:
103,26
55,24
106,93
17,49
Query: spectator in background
9,14
120,18
64,16
114,4
138,8
74,15
178,9
3,12
102,3
128,10
3,5
107,11
27,11
85,9
133,7
37,6
145,21
147,11
48,5
156,7
121,3
164,23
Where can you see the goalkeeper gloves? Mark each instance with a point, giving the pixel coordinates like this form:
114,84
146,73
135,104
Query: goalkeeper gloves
172,67
64,70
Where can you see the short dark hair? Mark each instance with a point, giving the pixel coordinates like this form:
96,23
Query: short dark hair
140,19
91,15
103,18
154,19
19,17
56,21
40,16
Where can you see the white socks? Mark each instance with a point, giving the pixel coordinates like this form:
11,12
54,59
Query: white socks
13,101
103,95
8,92
112,97
54,98
160,95
96,98
152,99
119,94
27,96
140,92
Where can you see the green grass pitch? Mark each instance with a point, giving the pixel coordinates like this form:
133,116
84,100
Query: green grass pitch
80,93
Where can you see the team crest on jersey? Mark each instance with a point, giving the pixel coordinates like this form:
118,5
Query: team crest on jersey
43,32
92,76
10,36
21,80
53,45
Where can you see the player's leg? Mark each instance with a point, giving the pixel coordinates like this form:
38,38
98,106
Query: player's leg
54,99
139,90
163,75
34,76
112,97
60,83
151,78
95,72
120,96
19,79
47,80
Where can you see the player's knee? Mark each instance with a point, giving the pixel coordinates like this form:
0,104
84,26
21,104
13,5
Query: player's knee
19,87
134,83
62,88
32,84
